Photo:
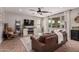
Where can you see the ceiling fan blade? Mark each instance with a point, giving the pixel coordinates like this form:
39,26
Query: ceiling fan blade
46,12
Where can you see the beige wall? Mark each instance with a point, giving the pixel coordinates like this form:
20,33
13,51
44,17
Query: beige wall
73,14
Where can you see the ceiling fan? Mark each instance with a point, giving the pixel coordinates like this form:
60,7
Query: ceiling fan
39,11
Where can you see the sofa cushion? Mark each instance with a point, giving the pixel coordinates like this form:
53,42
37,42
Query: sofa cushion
45,35
41,39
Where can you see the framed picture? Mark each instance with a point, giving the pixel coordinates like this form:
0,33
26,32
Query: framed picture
76,19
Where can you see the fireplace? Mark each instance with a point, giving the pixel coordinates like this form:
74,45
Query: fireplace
30,30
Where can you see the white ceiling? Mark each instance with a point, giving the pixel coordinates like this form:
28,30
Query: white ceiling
26,10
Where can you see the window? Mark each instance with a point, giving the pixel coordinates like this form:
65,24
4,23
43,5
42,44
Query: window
49,23
56,22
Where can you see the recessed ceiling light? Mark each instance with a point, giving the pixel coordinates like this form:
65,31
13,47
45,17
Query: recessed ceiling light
33,13
20,10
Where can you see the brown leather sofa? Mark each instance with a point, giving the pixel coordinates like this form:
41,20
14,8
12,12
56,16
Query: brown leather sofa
48,42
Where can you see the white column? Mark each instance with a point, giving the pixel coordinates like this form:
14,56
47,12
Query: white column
67,20
60,21
45,25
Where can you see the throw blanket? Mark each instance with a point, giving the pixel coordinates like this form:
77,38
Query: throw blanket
60,36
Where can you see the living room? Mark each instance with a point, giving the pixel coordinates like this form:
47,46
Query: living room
36,21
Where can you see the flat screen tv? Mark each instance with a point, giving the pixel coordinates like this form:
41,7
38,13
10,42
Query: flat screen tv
28,22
